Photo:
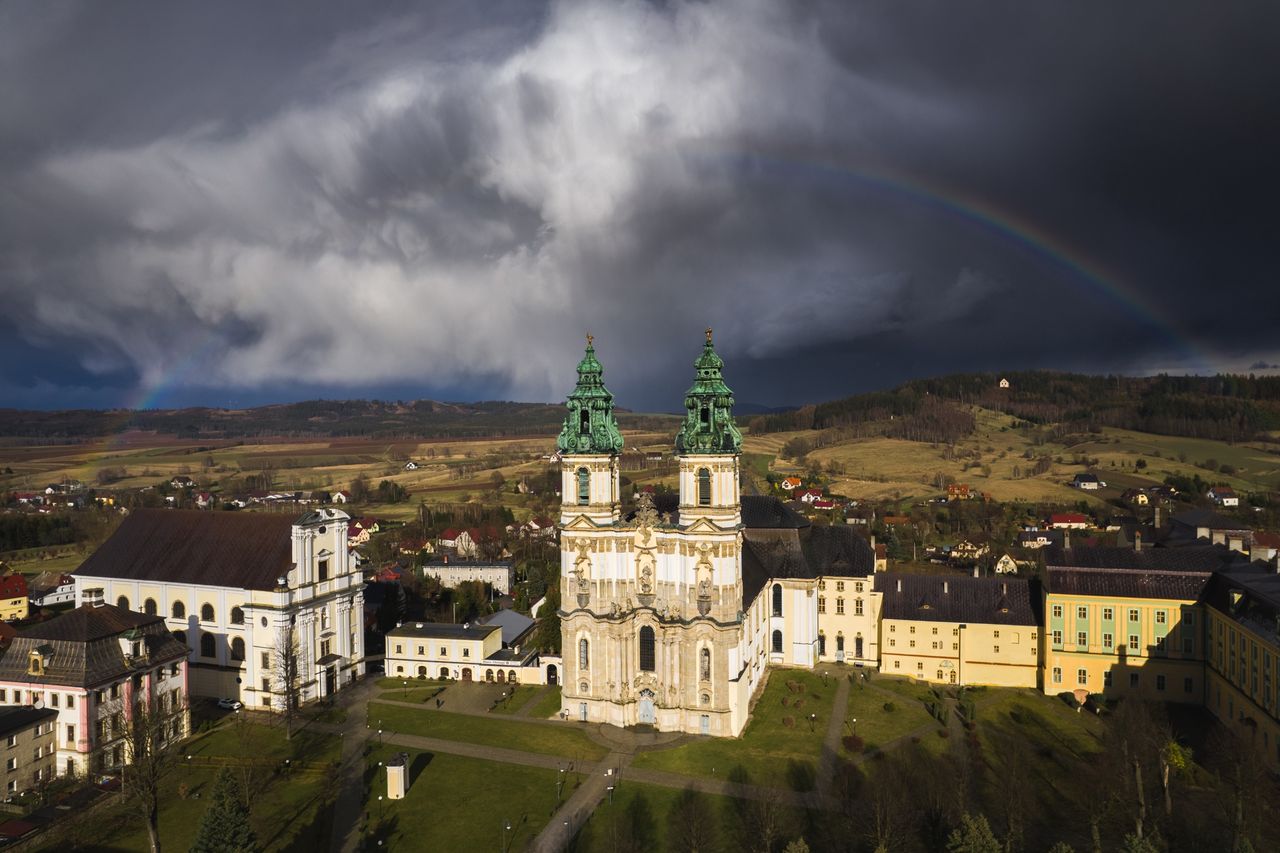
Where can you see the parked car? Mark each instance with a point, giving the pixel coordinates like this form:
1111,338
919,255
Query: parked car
230,704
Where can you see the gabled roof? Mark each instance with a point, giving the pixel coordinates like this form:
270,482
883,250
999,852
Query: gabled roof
805,552
1170,573
514,625
13,586
944,598
241,550
1205,517
1068,518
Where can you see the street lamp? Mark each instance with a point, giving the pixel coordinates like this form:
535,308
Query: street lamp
812,719
379,737
405,685
610,795
560,784
506,827
855,726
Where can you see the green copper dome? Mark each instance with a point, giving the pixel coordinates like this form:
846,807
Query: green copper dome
708,425
590,426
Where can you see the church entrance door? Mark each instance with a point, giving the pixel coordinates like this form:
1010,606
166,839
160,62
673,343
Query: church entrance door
646,712
551,674
330,681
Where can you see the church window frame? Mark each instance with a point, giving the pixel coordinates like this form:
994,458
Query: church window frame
149,607
584,486
584,654
208,646
179,610
207,613
704,486
704,664
776,642
237,648
822,644
648,650
777,599
123,602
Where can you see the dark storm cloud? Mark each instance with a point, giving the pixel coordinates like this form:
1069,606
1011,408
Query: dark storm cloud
246,198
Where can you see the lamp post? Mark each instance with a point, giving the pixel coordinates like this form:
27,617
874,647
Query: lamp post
405,685
610,795
379,737
506,827
813,718
560,784
855,726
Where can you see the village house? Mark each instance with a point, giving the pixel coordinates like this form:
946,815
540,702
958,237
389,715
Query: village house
1223,496
48,589
411,465
1004,383
28,731
182,481
1137,497
92,667
203,500
450,573
1035,539
360,530
1068,521
790,483
1194,525
14,603
968,551
1088,482
467,652
1264,546
342,496
958,492
1006,565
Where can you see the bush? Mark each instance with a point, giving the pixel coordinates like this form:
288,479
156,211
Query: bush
784,701
789,722
943,733
890,707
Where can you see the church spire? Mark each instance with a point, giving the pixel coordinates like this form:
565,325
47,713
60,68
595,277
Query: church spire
708,425
590,426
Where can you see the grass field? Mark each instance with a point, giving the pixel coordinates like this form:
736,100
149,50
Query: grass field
490,731
770,751
288,813
548,705
867,718
456,803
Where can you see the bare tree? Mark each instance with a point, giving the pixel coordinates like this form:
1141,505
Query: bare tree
288,677
154,724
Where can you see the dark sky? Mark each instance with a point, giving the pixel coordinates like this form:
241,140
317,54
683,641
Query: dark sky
236,203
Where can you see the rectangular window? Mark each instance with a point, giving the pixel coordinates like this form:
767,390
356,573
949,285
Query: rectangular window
1133,615
897,664
1133,680
1189,618
466,653
1057,611
839,606
857,607
1133,642
1082,612
1188,645
1160,617
1160,645
995,650
399,649
857,587
1159,682
1082,639
912,629
913,644
322,570
422,650
1106,679
1107,614
892,642
1188,685
266,660
1082,676
71,735
266,685
822,604
1107,641
12,740
54,699
444,652
71,701
11,764
839,586
1057,675
1057,638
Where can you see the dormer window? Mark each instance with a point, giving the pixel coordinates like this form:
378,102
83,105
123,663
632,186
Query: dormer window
38,659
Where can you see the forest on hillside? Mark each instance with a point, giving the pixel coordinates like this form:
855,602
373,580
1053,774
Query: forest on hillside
1224,408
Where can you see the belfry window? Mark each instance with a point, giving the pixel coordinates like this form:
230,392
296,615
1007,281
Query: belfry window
584,486
647,650
585,420
777,599
704,487
706,416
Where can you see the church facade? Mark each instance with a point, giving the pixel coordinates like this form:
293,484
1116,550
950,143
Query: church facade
671,614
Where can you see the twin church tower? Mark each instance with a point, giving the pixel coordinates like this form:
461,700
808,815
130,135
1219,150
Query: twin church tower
652,604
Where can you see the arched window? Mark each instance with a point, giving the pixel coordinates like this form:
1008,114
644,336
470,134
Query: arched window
237,648
706,415
704,665
422,672
584,654
840,642
180,636
777,642
208,646
206,612
123,602
647,650
822,645
704,487
584,486
511,676
777,599
488,675
179,610
237,616
584,420
149,607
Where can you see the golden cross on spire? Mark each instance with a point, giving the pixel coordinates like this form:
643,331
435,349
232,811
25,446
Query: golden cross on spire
708,334
590,339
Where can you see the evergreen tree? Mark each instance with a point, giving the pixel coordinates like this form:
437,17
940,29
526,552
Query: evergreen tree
974,835
225,826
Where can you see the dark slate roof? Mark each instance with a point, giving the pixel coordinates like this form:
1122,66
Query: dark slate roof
16,719
1251,599
767,512
1205,517
808,552
443,631
242,550
85,650
1174,573
960,598
514,625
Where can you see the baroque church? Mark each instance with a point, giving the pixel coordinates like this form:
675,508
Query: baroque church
672,613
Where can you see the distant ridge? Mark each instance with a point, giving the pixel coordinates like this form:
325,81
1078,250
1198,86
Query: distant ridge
1223,407
311,418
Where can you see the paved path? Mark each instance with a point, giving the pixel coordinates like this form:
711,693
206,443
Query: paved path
345,836
570,817
831,743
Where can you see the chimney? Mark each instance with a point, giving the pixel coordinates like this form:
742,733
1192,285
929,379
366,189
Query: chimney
946,587
1156,518
1137,540
92,597
899,584
975,571
1066,539
1004,589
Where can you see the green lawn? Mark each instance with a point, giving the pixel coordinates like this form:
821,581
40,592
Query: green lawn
875,725
548,705
411,689
770,751
522,693
288,812
491,731
456,803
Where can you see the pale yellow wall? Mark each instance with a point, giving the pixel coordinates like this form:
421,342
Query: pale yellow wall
12,609
999,655
1250,692
832,623
405,654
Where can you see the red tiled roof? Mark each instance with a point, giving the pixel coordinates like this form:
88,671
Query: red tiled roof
13,586
450,534
1068,518
1266,540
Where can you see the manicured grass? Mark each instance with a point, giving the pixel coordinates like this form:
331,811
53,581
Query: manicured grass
640,818
876,726
491,731
770,751
411,689
548,705
288,811
456,803
515,699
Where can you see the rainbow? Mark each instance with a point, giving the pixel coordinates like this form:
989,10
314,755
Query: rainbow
1018,231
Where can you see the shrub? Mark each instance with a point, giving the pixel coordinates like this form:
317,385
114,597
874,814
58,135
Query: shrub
890,707
784,701
789,722
943,733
